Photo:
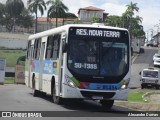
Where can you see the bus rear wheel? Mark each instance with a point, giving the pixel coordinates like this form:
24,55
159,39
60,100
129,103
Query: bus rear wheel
107,104
56,99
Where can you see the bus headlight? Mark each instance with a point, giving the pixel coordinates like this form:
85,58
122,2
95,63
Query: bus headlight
70,82
123,87
125,83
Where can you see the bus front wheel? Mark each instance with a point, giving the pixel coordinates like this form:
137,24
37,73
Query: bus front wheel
56,99
107,104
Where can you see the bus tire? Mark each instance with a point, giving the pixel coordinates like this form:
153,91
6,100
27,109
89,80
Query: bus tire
34,91
107,104
56,99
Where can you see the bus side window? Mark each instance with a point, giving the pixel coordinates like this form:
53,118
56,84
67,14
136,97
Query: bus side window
56,45
52,50
37,48
28,49
49,48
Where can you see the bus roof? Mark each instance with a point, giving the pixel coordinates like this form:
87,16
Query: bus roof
66,27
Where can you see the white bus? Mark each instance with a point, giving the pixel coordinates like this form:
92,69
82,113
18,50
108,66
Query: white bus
80,61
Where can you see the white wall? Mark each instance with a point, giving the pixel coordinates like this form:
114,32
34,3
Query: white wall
13,43
88,15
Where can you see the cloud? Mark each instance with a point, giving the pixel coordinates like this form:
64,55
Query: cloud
113,9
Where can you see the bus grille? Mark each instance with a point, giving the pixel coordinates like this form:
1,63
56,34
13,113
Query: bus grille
90,94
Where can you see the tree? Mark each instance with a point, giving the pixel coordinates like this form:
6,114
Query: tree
56,10
95,20
137,28
25,19
69,15
2,10
131,8
128,21
34,6
114,20
14,9
2,13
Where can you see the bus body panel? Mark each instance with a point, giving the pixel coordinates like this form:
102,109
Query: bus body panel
60,71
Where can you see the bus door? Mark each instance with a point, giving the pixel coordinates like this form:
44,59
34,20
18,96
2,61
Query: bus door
30,65
41,65
61,57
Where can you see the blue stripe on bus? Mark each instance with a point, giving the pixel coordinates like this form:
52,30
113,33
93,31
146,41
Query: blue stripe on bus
97,86
47,67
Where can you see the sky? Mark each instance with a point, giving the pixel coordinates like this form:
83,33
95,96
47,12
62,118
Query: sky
149,10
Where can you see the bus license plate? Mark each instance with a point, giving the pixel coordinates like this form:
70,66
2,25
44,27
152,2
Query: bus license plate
97,97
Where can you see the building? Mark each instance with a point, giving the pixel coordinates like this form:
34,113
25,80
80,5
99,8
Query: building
85,16
88,13
44,24
156,39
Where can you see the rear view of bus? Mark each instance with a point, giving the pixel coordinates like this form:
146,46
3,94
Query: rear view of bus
97,64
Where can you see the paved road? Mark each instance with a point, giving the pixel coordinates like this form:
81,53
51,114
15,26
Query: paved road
144,60
20,98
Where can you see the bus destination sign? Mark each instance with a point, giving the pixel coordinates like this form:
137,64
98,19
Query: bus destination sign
98,33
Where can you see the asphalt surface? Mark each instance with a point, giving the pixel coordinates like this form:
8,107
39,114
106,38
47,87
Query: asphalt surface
143,60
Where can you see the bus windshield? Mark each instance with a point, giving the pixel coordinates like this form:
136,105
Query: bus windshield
97,57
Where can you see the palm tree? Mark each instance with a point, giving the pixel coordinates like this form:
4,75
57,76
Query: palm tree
131,8
34,6
14,8
126,16
137,28
56,10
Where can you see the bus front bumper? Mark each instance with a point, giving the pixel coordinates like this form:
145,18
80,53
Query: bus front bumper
70,92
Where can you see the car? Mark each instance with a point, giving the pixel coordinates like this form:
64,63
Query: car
156,62
156,56
149,77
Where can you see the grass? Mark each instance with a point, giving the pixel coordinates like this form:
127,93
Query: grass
11,56
9,80
136,96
